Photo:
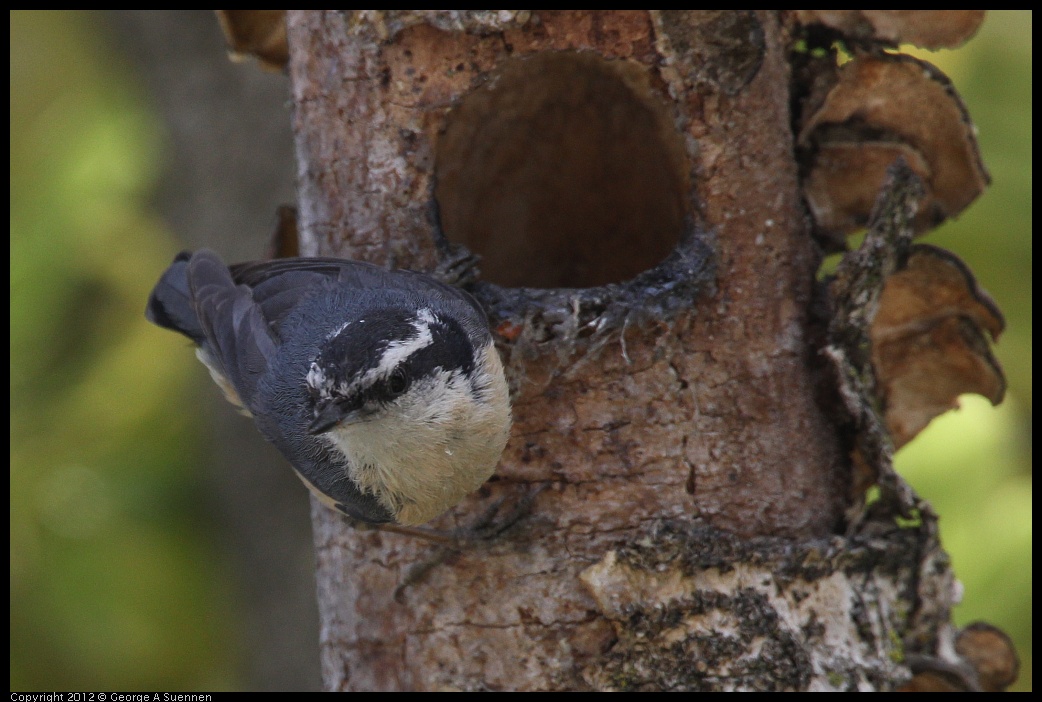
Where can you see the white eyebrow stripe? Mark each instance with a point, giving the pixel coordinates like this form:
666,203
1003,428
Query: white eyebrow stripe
397,351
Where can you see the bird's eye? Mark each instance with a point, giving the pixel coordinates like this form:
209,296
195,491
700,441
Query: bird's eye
397,383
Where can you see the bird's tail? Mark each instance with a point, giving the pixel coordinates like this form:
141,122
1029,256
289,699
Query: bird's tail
170,305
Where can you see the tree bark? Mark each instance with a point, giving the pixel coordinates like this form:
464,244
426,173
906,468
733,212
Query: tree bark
689,481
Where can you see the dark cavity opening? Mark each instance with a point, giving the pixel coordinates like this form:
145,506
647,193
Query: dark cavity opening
565,170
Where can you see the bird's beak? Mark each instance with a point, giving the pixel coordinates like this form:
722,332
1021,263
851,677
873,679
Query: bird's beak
326,418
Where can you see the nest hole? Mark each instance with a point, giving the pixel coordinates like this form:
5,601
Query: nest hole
563,170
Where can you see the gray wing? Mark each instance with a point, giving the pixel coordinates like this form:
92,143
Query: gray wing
197,297
279,285
237,339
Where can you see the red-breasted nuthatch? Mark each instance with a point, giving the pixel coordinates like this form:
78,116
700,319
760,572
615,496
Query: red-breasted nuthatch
382,388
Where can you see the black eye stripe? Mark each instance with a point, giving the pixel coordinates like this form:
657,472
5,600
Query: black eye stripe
398,381
350,357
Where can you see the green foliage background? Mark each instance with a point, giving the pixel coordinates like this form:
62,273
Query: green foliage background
115,581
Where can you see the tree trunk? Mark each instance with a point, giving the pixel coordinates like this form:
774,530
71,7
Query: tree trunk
630,180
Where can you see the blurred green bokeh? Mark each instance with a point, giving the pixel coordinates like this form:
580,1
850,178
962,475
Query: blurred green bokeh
115,583
974,465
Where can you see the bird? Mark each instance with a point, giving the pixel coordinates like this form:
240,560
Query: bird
382,388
